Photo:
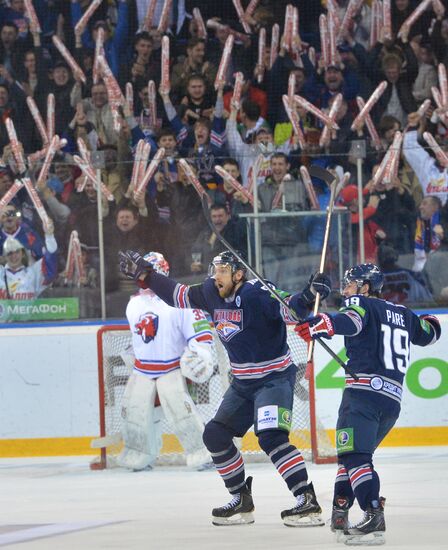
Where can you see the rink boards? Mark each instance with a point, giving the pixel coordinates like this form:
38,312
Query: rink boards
49,392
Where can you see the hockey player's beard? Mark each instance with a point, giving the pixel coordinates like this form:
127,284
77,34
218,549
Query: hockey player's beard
226,290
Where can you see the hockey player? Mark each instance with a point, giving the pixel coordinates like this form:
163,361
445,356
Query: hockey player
251,325
169,345
21,282
377,338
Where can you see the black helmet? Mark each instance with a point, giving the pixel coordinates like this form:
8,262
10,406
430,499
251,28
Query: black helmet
226,258
365,273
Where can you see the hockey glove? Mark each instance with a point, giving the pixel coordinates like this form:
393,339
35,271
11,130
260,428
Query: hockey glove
320,326
434,322
318,283
321,283
132,264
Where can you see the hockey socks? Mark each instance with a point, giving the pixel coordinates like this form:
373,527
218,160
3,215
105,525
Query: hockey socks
342,489
291,466
230,466
226,457
365,484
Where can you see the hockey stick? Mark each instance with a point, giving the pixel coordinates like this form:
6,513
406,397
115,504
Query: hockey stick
322,174
265,284
329,179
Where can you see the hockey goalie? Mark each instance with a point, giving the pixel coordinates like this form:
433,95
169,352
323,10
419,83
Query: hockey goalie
169,345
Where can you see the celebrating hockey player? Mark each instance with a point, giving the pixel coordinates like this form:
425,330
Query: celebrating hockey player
377,337
19,281
251,325
169,344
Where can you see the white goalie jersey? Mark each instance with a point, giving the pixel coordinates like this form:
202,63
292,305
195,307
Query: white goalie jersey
161,334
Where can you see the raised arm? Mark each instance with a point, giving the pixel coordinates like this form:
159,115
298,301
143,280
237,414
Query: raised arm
175,294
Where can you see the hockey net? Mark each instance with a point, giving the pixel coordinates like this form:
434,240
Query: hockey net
114,343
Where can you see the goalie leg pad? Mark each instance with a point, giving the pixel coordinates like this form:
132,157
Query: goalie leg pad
141,430
181,413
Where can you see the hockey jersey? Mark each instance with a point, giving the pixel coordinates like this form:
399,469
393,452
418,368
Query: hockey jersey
250,324
27,283
432,180
378,349
161,333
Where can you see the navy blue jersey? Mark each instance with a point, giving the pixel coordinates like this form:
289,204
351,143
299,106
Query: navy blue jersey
250,324
379,344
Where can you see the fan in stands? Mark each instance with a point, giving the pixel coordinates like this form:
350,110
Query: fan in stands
170,345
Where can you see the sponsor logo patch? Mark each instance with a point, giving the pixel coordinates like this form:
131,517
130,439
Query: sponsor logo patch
376,383
284,419
345,440
268,417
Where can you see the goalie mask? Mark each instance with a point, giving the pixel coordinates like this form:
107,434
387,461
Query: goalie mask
158,262
226,258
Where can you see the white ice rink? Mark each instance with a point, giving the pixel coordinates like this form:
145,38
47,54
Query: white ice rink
58,503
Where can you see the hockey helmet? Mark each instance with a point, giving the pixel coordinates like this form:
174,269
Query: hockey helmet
365,273
226,258
158,262
11,245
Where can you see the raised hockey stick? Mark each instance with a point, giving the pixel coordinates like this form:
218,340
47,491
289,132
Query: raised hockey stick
265,284
331,181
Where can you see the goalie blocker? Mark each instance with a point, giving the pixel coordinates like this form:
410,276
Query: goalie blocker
169,344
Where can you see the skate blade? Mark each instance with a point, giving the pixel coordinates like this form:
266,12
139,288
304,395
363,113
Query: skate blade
312,520
239,519
339,535
371,539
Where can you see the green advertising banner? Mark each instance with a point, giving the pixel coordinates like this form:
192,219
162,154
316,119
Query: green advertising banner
42,309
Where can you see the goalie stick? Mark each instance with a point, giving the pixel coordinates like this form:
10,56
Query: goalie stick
275,294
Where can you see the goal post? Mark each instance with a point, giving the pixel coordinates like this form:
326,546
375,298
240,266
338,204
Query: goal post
114,368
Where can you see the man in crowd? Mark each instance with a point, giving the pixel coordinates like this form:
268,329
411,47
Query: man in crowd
18,281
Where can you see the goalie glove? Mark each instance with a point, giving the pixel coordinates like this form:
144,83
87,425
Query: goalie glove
197,363
318,283
132,264
320,326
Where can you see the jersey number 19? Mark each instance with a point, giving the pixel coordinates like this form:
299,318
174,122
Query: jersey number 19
396,348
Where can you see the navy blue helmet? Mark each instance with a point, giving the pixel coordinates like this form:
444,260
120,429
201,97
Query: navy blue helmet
226,258
365,273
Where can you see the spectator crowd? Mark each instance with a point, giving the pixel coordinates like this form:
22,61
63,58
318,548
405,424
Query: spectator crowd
228,114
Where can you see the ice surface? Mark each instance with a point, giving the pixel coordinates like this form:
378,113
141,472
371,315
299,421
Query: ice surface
71,507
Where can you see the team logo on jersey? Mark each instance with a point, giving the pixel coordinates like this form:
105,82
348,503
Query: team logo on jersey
238,301
147,326
228,322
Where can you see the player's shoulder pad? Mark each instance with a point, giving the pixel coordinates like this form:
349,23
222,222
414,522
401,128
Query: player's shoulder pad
208,284
357,303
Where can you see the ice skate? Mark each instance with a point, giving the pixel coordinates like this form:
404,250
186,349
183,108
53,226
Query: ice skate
306,513
339,517
369,531
239,511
